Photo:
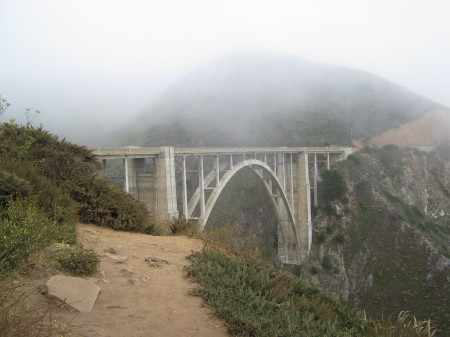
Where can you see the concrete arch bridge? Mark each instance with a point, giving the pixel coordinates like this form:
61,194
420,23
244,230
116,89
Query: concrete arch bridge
187,182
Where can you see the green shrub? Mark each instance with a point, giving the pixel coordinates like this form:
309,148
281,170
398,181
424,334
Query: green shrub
58,205
326,263
12,186
78,261
234,240
182,226
339,238
72,169
109,206
58,160
320,238
26,228
333,186
355,158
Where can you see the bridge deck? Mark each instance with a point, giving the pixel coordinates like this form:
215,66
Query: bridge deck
137,151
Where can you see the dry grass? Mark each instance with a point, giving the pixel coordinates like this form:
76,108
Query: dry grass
17,319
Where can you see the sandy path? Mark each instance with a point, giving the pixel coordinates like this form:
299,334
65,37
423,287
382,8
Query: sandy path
140,300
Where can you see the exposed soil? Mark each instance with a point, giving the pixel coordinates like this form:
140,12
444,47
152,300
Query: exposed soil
140,298
430,129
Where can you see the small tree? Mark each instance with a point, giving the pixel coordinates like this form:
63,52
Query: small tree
4,104
332,188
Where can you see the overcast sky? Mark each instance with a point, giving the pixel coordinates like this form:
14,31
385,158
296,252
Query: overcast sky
100,62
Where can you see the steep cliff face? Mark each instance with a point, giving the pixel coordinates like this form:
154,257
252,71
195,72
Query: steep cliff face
385,245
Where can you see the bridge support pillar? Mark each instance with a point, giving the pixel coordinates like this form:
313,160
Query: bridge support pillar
166,195
303,207
131,177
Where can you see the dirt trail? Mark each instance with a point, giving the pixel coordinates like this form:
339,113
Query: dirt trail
139,299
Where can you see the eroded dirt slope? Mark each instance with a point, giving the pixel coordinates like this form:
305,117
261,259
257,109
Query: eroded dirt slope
430,129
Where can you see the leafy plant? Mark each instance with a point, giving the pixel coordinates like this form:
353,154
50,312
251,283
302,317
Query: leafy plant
26,228
78,261
182,226
332,188
355,158
339,238
320,238
11,186
326,263
58,205
109,206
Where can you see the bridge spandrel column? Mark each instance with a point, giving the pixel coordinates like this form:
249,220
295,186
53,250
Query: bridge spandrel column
303,205
166,198
131,178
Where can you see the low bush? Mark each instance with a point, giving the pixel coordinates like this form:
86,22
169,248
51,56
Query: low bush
72,169
355,158
326,263
320,238
57,204
109,206
339,238
78,261
26,228
233,240
182,226
332,188
12,186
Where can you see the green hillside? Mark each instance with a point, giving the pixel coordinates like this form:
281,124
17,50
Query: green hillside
259,99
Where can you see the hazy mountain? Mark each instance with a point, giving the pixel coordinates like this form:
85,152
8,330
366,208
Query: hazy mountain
271,99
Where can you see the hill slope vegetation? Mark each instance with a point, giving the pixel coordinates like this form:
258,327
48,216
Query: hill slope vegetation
259,99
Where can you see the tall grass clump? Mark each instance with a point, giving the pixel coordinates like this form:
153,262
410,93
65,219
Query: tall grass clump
19,320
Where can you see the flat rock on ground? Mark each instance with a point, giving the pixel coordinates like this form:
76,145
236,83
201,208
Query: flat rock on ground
77,292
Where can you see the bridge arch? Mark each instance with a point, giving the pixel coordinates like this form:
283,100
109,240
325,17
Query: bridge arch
257,167
157,187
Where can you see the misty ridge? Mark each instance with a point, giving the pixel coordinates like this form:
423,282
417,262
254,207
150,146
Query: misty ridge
269,99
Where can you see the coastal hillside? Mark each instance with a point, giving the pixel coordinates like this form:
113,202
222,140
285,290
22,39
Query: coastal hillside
263,99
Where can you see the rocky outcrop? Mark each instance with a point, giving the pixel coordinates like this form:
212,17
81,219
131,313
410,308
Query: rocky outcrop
385,246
